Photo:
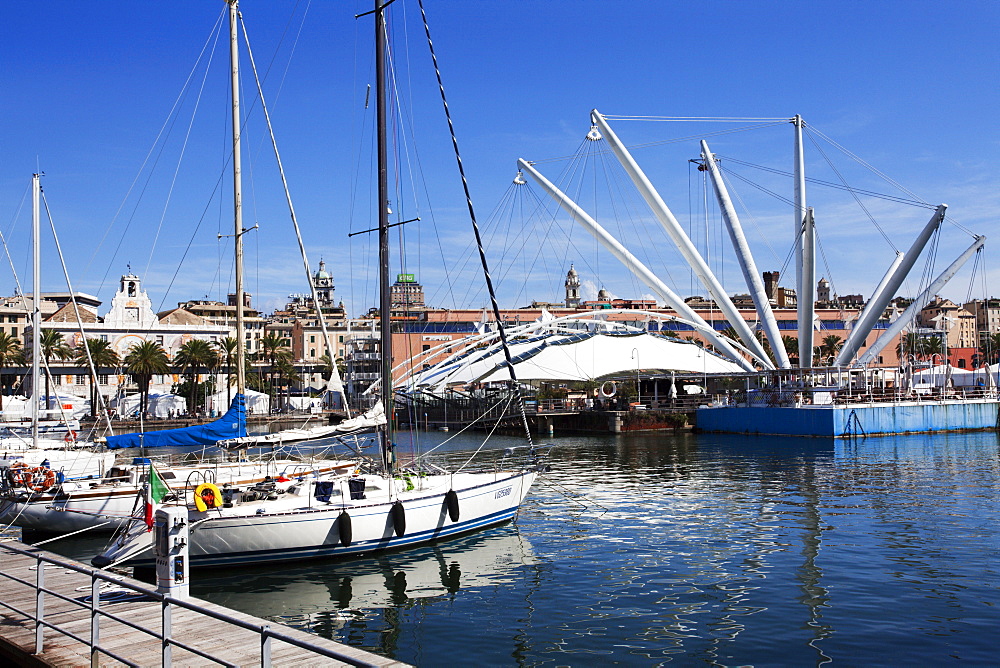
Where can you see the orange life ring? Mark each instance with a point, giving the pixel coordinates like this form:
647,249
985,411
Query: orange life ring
19,473
40,479
70,436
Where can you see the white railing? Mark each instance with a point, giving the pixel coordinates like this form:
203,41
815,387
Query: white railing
164,635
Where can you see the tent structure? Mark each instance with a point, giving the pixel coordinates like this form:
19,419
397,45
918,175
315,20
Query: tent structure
257,403
580,356
949,376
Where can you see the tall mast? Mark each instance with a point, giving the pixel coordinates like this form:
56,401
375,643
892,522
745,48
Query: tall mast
234,61
805,271
36,302
383,237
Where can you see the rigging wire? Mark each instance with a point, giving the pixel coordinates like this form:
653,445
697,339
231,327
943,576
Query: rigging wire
168,124
514,387
854,194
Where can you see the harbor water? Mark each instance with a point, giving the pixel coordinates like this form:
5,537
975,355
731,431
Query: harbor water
685,549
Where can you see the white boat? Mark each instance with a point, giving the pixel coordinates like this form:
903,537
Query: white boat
26,459
387,507
108,503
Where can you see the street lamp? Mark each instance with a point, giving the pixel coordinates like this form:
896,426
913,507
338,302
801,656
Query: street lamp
638,392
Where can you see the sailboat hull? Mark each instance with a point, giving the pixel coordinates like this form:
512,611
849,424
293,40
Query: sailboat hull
278,534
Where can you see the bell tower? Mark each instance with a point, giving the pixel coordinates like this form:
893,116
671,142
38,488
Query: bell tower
572,288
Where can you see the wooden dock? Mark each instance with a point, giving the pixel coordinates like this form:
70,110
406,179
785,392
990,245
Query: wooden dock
199,636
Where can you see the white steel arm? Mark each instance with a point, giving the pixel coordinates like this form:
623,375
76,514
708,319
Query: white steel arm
633,264
934,288
874,310
681,240
745,257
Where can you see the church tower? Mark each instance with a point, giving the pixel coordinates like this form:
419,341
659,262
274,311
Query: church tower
323,282
572,288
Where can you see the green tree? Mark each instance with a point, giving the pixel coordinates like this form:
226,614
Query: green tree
191,357
54,347
990,348
104,357
909,344
226,348
829,347
143,361
274,348
10,353
791,345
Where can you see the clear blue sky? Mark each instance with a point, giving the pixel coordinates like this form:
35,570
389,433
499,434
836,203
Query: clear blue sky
911,87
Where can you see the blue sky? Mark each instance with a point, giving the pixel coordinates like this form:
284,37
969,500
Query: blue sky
910,87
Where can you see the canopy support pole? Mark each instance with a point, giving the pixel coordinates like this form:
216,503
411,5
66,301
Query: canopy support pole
681,240
631,262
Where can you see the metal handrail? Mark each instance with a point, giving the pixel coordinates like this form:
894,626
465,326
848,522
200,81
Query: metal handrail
164,635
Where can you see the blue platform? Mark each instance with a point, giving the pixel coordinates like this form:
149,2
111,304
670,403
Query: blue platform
852,419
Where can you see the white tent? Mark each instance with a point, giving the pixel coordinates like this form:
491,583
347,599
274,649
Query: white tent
257,403
166,405
575,357
304,403
14,408
73,406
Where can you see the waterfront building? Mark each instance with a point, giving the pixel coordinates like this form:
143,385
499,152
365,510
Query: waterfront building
129,321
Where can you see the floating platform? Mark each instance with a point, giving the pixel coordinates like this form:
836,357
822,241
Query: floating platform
853,419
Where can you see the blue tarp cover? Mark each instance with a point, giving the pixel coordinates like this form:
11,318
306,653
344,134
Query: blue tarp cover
231,425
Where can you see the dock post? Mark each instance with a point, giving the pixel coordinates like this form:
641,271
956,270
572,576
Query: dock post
171,543
39,605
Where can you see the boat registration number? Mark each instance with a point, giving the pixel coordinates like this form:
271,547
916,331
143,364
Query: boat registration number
503,492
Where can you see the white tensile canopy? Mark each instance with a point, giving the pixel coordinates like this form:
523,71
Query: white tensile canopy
942,375
576,357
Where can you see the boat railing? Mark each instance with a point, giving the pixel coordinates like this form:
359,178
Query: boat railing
163,633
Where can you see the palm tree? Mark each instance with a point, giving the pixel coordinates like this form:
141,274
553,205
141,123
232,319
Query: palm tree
791,345
104,357
274,348
53,347
990,348
10,353
288,373
909,344
227,351
830,346
932,346
192,356
143,361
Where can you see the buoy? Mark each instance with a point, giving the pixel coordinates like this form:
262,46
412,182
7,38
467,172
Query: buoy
398,515
451,501
70,436
609,391
207,495
344,529
40,479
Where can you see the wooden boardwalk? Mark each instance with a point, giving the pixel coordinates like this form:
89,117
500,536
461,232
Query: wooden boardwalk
228,643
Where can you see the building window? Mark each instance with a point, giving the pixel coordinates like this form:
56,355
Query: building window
312,338
312,352
80,379
159,339
13,331
102,379
104,337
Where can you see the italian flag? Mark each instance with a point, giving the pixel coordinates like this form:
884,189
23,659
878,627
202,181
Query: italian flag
156,490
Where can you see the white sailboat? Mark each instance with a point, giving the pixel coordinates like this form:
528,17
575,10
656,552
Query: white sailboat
378,505
28,460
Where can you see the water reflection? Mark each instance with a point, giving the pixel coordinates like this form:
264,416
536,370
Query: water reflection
651,548
325,594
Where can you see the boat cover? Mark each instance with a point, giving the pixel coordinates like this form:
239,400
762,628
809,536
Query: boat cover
231,425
